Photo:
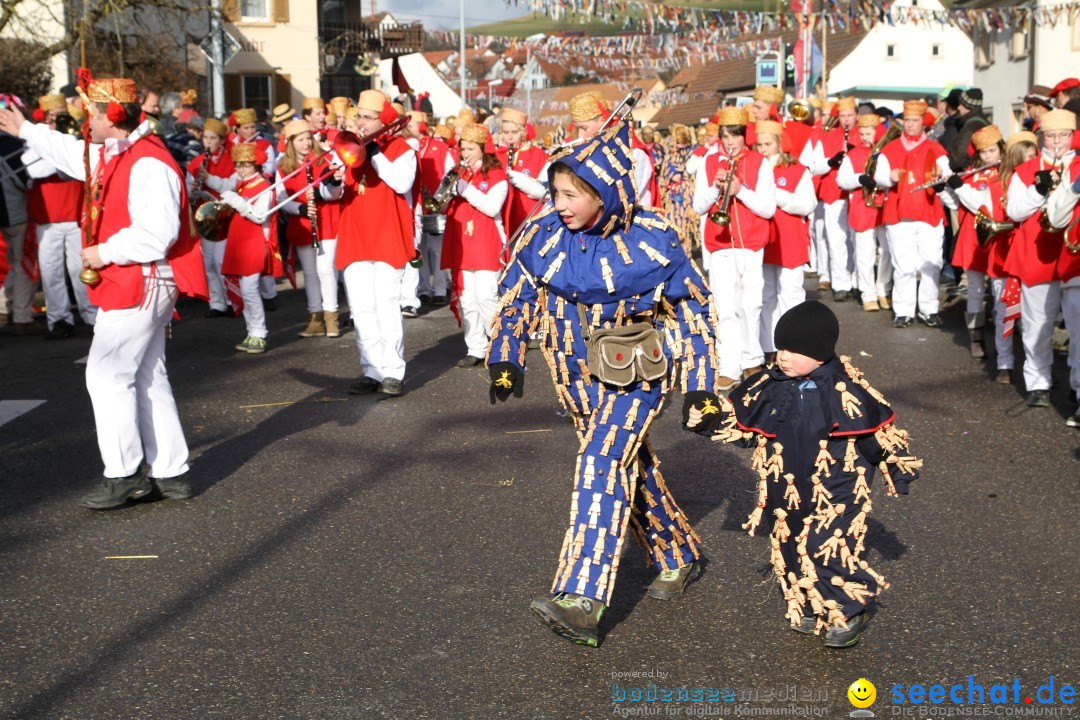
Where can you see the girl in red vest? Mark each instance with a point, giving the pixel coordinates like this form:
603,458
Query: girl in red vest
521,156
866,220
983,191
789,231
251,249
207,175
474,240
320,275
736,248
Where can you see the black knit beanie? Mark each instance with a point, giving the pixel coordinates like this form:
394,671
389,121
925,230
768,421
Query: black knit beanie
810,329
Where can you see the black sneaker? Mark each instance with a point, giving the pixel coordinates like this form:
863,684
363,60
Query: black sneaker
572,616
439,301
902,321
670,584
215,313
425,299
410,312
1038,398
841,295
270,304
115,492
840,638
932,320
61,331
364,386
1074,419
174,488
806,626
469,361
391,386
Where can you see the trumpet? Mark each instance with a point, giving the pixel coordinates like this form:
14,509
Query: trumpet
1044,217
721,216
987,229
966,173
799,110
829,123
872,199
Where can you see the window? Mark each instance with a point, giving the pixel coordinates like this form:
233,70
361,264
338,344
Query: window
257,91
890,52
1019,44
984,49
254,10
935,51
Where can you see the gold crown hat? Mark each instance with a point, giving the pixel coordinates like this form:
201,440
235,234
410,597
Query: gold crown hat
372,100
915,108
243,116
444,132
986,137
845,103
243,153
868,120
398,108
117,90
282,113
515,116
1058,120
827,107
476,134
189,97
712,128
1022,136
769,93
732,116
352,112
216,126
418,115
769,127
75,112
52,101
588,106
294,128
466,116
339,104
313,103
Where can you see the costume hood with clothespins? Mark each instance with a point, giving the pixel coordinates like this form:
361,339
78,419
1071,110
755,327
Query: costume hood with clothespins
630,251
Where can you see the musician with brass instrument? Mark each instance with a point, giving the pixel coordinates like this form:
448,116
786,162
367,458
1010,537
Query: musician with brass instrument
312,225
475,238
207,175
519,155
338,112
836,139
864,216
313,110
736,189
140,254
435,163
1037,248
376,240
54,205
914,221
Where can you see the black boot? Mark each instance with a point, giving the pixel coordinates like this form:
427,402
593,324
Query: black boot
174,488
115,492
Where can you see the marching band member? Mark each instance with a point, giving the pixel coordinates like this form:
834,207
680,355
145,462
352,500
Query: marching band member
788,248
865,218
246,131
435,162
251,248
710,144
145,255
1035,251
838,241
54,205
475,238
914,221
981,191
16,288
745,179
210,173
376,241
313,110
519,156
410,281
319,203
352,120
339,111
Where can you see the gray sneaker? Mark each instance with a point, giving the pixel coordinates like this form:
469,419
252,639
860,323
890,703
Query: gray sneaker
116,492
573,616
670,584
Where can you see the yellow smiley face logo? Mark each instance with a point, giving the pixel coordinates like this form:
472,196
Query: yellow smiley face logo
862,693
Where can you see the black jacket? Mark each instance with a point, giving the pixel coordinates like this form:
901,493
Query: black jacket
971,123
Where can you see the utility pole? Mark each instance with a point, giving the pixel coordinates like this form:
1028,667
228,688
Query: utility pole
461,56
217,69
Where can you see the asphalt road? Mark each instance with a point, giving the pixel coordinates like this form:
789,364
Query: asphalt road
352,557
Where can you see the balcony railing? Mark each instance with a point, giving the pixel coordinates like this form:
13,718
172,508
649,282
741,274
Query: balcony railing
400,40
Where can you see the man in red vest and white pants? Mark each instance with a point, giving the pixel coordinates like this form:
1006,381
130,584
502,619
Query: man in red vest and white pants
146,254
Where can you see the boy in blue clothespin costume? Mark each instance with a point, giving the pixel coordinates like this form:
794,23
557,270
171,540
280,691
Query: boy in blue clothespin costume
625,318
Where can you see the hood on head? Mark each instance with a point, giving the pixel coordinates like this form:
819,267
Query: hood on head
606,163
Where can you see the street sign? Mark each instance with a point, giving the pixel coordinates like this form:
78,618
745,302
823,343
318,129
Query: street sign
229,47
768,71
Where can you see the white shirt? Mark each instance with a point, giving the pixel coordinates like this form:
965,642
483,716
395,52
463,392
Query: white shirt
800,201
1060,204
761,202
1024,200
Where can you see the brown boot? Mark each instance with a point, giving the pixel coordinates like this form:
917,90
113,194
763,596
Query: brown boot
315,326
976,344
332,328
749,372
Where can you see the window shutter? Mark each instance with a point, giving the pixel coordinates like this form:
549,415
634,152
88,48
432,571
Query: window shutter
281,11
230,10
234,93
282,90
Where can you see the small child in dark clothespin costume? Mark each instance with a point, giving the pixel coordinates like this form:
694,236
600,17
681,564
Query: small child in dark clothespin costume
820,432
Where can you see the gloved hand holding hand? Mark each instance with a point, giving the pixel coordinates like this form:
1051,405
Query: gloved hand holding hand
867,182
506,379
955,182
1044,180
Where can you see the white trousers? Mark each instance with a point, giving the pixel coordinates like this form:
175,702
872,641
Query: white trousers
916,250
838,239
433,280
134,410
254,313
1039,305
704,253
1070,307
213,253
873,270
58,257
18,290
267,287
373,289
410,279
479,302
783,291
320,276
819,248
737,284
1004,346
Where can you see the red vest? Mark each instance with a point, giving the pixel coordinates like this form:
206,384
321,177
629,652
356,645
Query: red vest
376,223
967,253
789,235
298,228
432,156
472,240
834,141
1035,253
917,167
122,286
860,217
746,229
248,249
221,166
530,161
54,200
1069,263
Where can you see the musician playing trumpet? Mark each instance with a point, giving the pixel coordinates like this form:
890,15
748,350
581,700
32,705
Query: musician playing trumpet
209,174
874,276
1036,250
735,249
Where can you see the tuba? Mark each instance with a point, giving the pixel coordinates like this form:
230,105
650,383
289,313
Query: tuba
722,216
987,229
211,216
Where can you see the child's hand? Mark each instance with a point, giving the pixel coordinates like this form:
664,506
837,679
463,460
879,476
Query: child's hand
693,419
701,412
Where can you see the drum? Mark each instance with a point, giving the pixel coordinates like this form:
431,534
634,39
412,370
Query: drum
433,224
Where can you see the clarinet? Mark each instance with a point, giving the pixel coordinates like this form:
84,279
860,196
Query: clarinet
315,218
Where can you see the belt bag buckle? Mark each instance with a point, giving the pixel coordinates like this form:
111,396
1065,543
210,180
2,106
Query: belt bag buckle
624,355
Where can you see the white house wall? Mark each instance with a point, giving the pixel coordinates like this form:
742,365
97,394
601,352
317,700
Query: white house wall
1004,83
1057,51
